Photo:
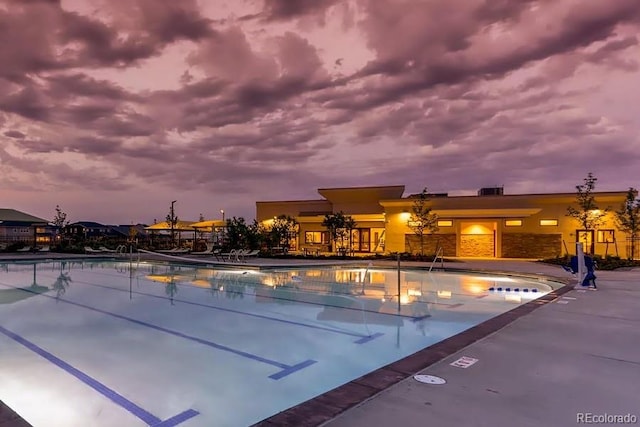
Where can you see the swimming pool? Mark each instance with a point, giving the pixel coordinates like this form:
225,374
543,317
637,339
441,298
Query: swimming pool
106,343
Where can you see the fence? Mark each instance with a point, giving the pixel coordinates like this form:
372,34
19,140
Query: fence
633,247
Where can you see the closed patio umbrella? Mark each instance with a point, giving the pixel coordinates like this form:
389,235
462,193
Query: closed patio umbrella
208,225
164,225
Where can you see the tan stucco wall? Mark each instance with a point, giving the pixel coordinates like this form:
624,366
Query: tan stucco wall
551,207
267,210
491,210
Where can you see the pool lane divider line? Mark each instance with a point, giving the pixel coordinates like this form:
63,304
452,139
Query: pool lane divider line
177,419
285,369
244,313
366,339
110,394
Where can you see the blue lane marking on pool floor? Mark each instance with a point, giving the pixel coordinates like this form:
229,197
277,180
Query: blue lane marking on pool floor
243,313
178,419
286,369
364,340
291,369
110,394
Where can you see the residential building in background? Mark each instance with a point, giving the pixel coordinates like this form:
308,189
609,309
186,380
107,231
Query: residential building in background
23,228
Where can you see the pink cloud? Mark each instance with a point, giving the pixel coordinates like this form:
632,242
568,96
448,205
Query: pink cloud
277,98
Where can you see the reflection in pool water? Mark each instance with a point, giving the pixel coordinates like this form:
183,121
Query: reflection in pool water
106,343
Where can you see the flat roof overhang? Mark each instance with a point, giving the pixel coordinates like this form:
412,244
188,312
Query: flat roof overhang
486,213
361,194
356,217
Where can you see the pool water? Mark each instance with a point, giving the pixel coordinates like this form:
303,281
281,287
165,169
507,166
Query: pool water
106,343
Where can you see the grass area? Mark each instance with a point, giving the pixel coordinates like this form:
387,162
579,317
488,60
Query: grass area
604,263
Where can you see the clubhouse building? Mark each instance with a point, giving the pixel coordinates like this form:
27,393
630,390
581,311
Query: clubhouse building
490,224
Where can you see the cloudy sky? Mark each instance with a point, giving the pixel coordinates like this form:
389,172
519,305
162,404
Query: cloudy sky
114,108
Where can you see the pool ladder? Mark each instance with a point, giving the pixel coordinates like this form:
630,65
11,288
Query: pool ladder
439,253
123,251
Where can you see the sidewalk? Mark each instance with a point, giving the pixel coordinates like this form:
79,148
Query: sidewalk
579,354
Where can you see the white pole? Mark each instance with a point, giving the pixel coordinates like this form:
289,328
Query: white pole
582,268
399,308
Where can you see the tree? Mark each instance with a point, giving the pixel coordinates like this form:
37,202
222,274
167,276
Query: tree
338,226
628,218
60,220
349,225
422,219
255,235
133,232
588,214
172,220
283,229
236,233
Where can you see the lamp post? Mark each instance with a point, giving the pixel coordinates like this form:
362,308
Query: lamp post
172,221
222,212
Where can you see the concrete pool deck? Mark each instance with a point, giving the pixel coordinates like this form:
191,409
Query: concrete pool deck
576,351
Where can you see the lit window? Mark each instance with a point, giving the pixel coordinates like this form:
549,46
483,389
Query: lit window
606,236
548,222
513,223
445,223
316,237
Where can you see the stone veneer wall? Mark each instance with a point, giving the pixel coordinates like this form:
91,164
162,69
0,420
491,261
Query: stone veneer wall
476,245
530,245
430,243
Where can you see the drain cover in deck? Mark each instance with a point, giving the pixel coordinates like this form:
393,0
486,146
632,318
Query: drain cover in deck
429,379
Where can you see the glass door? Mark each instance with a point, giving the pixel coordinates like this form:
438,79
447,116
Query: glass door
586,237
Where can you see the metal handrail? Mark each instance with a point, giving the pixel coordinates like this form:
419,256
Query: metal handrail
440,253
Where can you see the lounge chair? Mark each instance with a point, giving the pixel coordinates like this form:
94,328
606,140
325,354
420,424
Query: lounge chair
174,251
167,251
105,249
248,254
231,256
240,253
44,249
219,254
208,251
25,249
90,250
